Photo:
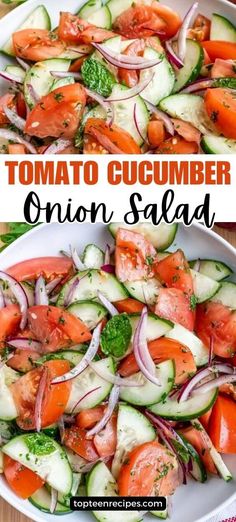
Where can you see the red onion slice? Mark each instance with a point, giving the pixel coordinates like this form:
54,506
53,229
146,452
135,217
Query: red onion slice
76,259
61,426
172,56
114,379
140,344
71,291
137,124
54,498
107,257
105,104
166,427
39,399
90,392
112,402
2,300
34,95
188,387
19,294
16,138
85,361
62,74
41,296
110,269
108,305
214,383
23,343
53,284
58,146
131,93
126,62
162,116
199,85
211,351
11,77
14,118
23,63
182,37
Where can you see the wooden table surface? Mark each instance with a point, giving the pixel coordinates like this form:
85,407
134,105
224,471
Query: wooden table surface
7,513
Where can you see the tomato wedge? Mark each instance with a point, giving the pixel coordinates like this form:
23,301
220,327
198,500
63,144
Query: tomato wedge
129,305
22,360
111,138
221,108
105,441
55,396
15,148
173,304
21,105
222,429
58,113
140,21
156,132
37,44
195,438
219,49
173,271
223,69
6,100
21,480
217,322
48,267
130,77
201,29
56,328
73,29
10,317
161,350
186,130
134,256
204,419
177,145
75,439
150,469
86,419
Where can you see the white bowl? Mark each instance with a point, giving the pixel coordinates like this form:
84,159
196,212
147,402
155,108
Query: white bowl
194,502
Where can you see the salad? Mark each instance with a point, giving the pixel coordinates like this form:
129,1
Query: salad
120,78
117,371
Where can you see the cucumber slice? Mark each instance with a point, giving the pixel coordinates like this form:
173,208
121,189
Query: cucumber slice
93,257
198,471
190,108
150,393
160,514
192,65
156,326
8,409
187,410
86,382
101,483
101,18
90,312
161,236
44,456
133,429
90,282
61,82
218,145
214,269
73,356
116,8
40,79
16,71
163,81
226,295
76,52
51,431
204,287
41,499
65,499
89,8
222,29
145,291
37,19
124,114
189,339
